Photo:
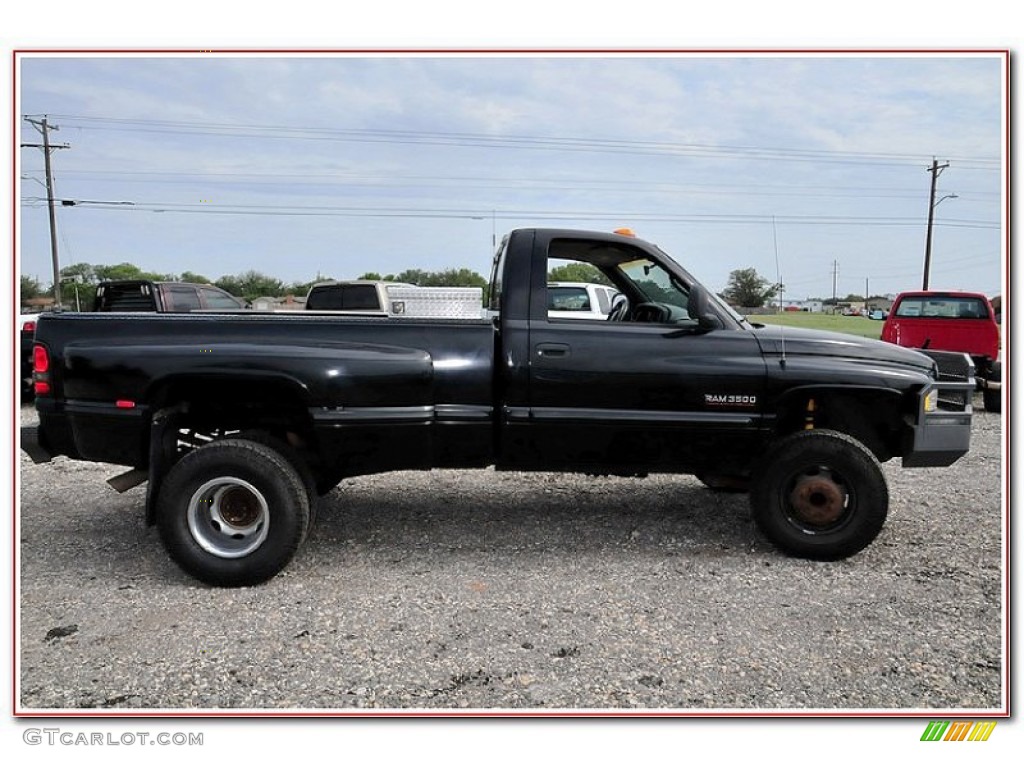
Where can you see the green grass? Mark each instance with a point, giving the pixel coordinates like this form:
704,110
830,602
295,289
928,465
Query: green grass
856,326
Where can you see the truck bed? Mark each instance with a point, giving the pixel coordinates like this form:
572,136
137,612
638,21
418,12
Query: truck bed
344,378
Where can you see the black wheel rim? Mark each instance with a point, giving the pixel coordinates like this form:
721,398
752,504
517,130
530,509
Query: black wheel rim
818,500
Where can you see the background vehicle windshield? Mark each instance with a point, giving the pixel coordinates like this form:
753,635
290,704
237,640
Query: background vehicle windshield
948,307
568,299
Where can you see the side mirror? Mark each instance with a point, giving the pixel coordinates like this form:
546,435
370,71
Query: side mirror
700,309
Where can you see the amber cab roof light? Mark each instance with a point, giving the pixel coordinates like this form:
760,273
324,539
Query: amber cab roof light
625,231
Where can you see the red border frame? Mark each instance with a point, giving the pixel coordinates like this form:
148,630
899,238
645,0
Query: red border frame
16,54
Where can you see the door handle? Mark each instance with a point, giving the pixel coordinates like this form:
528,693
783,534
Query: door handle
553,350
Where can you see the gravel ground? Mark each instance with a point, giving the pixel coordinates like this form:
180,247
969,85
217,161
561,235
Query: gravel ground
475,589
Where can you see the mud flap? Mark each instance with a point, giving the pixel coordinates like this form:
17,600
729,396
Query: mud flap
163,446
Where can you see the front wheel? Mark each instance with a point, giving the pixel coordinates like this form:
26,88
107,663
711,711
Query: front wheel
992,398
820,495
233,513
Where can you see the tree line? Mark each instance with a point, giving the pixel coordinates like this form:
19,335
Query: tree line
745,287
82,279
253,284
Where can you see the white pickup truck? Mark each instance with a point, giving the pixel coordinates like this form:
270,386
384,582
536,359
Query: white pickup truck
580,300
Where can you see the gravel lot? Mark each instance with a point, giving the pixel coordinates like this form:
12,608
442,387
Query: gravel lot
453,590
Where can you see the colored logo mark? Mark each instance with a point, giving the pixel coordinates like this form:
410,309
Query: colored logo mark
958,730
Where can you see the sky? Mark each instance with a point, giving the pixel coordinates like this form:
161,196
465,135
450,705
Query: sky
812,168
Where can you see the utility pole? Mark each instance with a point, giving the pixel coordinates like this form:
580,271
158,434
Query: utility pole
44,128
835,277
936,170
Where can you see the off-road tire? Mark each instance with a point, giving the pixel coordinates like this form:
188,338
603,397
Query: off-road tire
819,495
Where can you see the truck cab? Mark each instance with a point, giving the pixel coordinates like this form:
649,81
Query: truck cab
630,389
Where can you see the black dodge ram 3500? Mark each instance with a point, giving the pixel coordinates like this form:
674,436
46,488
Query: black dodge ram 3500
239,421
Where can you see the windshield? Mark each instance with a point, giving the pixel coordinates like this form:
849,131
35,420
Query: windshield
722,304
656,284
716,300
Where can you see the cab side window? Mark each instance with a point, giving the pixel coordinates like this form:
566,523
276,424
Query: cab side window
577,290
359,297
182,298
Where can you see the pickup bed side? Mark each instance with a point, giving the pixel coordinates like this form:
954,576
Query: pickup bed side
399,395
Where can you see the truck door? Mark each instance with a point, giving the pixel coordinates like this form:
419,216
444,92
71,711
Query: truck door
645,389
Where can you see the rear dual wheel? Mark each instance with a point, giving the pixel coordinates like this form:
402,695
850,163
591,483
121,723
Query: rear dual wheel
821,495
233,513
292,455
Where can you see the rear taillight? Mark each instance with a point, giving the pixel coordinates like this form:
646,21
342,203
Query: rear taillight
29,327
40,359
40,370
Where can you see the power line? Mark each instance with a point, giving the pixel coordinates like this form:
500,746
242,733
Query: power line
397,180
966,261
508,141
508,214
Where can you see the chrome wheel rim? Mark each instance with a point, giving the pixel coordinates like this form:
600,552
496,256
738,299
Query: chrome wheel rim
228,517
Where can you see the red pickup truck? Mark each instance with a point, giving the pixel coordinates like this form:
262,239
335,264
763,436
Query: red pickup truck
951,321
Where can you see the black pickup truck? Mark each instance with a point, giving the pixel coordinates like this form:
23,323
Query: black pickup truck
239,421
